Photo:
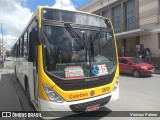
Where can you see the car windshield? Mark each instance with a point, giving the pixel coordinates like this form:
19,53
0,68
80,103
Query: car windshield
71,53
135,60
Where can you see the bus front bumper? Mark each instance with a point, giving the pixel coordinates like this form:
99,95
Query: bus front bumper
55,110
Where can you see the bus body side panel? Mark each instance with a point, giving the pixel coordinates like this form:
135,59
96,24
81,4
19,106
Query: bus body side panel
31,80
25,69
19,71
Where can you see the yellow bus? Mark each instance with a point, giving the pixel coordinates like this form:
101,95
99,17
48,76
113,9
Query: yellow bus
67,61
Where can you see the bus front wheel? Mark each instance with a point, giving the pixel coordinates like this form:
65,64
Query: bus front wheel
15,73
27,91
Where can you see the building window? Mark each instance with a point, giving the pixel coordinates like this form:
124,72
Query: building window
105,14
117,18
129,10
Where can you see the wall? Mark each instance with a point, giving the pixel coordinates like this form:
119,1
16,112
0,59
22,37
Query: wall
119,44
131,44
95,5
151,41
148,11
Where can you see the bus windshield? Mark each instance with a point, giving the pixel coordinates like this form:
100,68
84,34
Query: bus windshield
75,53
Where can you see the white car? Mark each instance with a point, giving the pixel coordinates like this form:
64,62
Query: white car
8,59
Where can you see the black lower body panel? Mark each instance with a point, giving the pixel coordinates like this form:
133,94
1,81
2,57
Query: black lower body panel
78,108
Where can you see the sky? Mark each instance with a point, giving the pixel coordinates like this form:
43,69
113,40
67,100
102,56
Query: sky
15,14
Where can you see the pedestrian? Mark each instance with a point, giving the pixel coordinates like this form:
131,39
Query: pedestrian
143,55
139,55
148,55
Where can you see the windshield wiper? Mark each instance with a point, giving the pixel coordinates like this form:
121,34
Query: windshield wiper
75,36
81,42
91,46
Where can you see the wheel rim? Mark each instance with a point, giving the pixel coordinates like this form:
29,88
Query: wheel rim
136,73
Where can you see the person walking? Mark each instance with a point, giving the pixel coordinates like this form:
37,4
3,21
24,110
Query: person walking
143,55
148,55
139,55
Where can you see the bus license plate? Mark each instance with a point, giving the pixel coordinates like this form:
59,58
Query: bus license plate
93,108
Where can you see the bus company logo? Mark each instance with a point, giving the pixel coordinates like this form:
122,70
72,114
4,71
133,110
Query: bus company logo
76,96
92,93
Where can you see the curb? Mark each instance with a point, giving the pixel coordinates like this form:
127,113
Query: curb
156,74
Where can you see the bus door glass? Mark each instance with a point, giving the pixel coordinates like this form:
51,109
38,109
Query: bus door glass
33,57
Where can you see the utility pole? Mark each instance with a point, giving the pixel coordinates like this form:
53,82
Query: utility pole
61,3
2,42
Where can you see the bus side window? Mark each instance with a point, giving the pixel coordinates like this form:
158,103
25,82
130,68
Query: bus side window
16,49
22,46
25,55
32,42
19,48
33,38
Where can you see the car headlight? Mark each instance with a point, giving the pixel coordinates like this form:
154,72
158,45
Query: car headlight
143,67
53,96
116,84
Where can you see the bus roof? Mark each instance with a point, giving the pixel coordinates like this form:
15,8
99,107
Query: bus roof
38,12
41,7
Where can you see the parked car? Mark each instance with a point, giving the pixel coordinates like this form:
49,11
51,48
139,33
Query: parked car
135,66
8,59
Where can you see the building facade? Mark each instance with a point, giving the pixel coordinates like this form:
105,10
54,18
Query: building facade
136,24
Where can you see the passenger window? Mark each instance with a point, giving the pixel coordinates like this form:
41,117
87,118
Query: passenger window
124,61
22,46
19,48
26,45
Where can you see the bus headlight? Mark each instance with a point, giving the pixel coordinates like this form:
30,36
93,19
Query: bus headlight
116,84
53,96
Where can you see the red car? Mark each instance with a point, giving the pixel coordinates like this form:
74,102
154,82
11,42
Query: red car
135,66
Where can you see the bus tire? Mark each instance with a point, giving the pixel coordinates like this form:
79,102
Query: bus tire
136,73
27,91
15,73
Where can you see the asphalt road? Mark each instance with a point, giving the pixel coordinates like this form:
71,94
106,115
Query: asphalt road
136,94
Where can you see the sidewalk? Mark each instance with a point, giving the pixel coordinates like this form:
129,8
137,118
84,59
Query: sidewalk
5,70
9,100
157,71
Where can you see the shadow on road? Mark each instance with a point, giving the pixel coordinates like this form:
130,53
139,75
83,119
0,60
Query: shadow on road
14,99
95,115
128,75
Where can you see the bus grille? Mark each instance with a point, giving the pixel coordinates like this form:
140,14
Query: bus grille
77,108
